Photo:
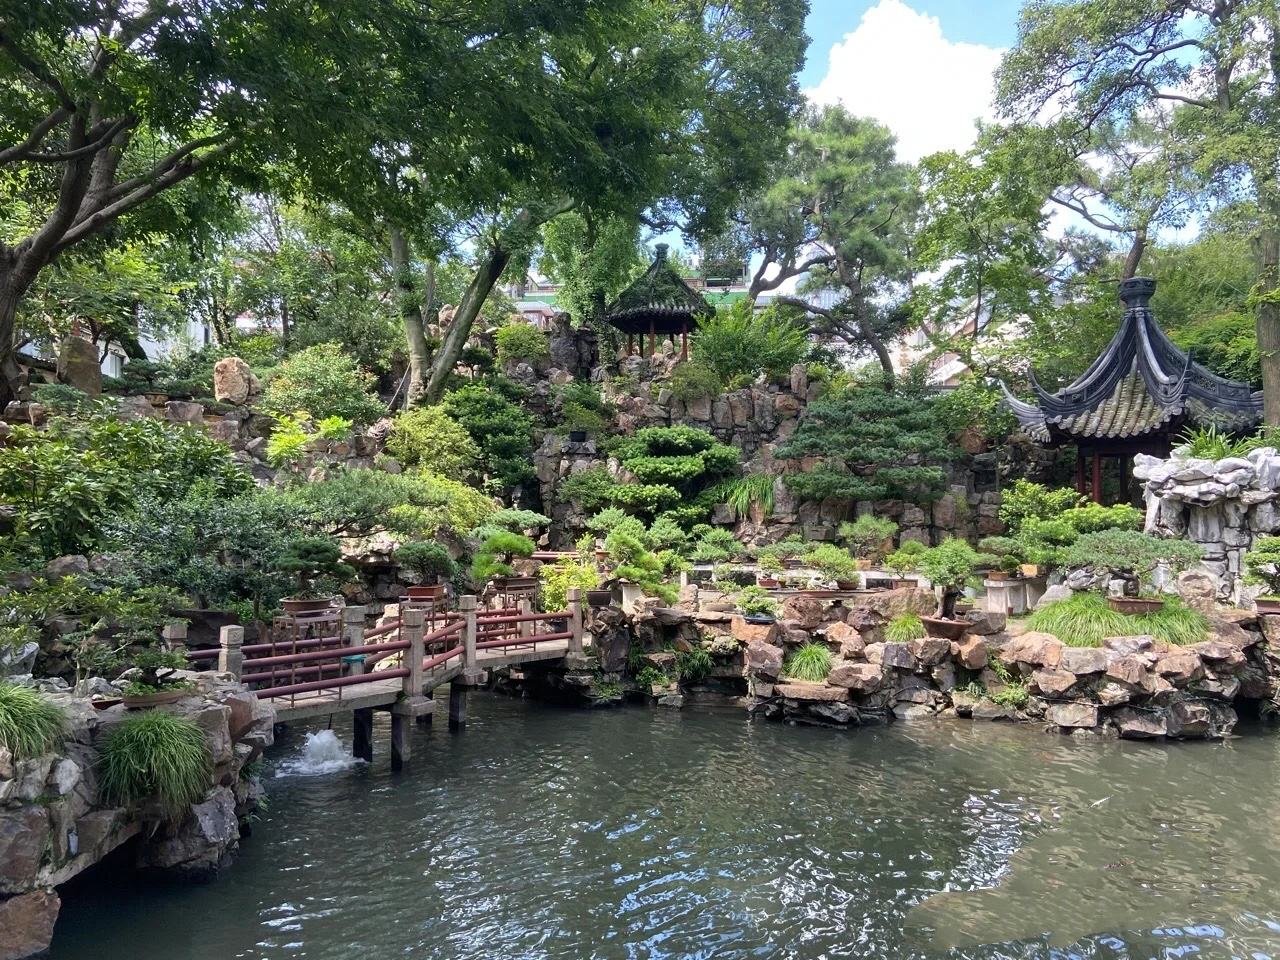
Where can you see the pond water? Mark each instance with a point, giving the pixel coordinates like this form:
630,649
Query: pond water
549,833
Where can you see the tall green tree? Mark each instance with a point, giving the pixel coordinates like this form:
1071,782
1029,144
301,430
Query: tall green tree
851,203
1209,66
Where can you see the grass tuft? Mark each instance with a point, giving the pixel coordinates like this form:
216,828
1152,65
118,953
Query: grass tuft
1085,619
811,662
904,628
30,725
155,756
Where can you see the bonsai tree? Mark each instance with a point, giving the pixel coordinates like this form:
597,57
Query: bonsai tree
769,563
496,554
632,561
155,672
1262,565
906,559
867,535
1129,556
430,561
833,562
949,566
1007,552
317,564
756,602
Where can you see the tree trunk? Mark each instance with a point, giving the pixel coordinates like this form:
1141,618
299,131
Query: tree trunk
415,333
455,338
12,287
1268,318
1134,258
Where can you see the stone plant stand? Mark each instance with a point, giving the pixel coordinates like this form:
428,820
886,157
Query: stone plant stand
1006,596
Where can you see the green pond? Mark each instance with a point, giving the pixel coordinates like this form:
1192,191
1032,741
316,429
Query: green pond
542,832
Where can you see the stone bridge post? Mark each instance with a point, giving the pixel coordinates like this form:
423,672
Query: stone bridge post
230,657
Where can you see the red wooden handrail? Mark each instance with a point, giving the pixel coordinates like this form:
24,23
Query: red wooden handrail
440,658
269,675
335,682
336,652
516,641
382,631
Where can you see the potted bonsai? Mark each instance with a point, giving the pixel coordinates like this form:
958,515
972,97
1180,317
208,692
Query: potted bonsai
905,560
155,682
317,564
1130,557
432,563
867,537
835,565
770,566
948,566
582,411
756,605
493,561
1262,566
1007,553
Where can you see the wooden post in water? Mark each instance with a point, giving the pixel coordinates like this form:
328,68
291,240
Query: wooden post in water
230,658
575,621
353,665
411,630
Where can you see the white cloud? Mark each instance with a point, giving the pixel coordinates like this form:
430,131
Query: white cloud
898,68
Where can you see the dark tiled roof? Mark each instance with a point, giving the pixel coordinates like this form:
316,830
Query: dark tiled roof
1138,386
660,296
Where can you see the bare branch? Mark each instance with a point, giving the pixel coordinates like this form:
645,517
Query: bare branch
40,131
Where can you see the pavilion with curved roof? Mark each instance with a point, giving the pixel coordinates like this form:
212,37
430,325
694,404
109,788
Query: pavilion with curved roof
1136,397
658,302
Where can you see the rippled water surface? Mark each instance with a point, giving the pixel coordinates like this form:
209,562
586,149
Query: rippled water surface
549,833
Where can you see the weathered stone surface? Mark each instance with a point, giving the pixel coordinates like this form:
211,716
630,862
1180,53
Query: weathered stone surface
817,692
839,713
859,677
805,611
135,408
233,381
990,710
184,412
1083,660
1052,595
898,655
24,834
1224,656
1225,631
1135,724
71,565
903,710
1179,667
764,660
846,639
201,844
971,651
1034,649
930,650
1111,694
749,633
1072,715
1198,589
79,366
1128,646
983,623
1053,683
894,603
26,924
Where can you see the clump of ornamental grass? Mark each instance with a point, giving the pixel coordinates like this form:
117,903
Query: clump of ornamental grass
812,662
1085,619
904,628
30,725
155,756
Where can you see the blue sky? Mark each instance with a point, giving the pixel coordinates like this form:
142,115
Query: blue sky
993,23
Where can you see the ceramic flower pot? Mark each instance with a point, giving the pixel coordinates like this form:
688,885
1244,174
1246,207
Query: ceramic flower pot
946,629
1134,606
296,606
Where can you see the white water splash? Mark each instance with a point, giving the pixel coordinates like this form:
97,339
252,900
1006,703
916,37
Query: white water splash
322,754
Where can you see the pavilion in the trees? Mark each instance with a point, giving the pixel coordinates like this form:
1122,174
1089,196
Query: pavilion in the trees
1137,397
658,303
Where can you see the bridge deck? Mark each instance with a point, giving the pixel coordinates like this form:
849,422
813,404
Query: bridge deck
384,693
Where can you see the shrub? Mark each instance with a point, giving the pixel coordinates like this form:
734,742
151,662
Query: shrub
427,559
30,725
694,381
715,545
834,562
494,556
511,518
632,561
665,534
1129,555
1085,619
694,665
811,662
155,756
741,493
611,518
582,408
755,601
1093,517
1026,500
564,573
288,441
427,436
739,344
591,488
881,446
520,341
904,628
906,559
499,427
324,381
949,566
317,564
866,535
975,405
1262,565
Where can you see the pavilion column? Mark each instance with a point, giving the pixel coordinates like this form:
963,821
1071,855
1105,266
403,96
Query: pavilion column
1097,477
653,343
1080,470
631,347
684,340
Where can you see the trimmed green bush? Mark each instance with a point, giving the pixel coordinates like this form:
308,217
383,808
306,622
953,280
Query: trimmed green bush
519,341
811,662
499,427
429,437
155,756
867,535
30,725
427,559
325,382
